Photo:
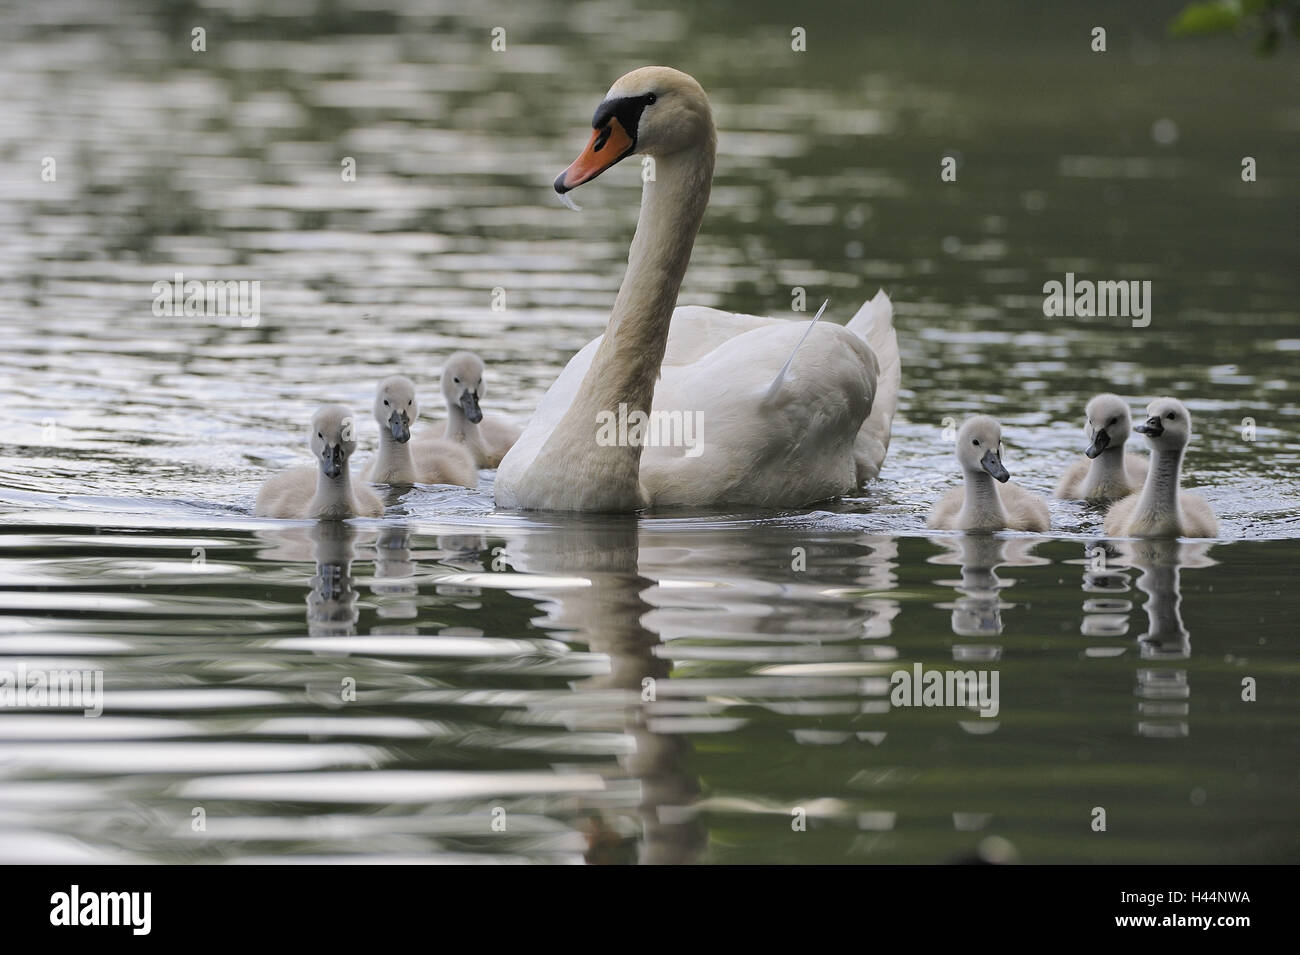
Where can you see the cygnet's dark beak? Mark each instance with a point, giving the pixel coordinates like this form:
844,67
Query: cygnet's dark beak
992,462
469,405
332,460
1100,442
400,426
1152,429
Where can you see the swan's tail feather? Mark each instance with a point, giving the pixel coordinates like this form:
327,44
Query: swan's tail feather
780,378
874,323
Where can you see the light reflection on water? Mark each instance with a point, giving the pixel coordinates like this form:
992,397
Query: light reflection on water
391,689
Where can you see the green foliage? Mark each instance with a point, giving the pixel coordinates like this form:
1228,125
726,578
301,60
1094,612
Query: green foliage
1272,19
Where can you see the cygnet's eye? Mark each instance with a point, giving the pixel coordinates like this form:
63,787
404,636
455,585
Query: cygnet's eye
1111,421
975,441
1170,416
456,380
385,402
319,435
408,404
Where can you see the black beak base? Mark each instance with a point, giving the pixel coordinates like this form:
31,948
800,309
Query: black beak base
992,462
1152,429
332,460
1100,442
400,427
469,405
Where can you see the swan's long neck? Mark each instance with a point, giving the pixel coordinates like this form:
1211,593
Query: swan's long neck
1108,470
333,498
1157,508
394,463
983,505
464,431
625,367
460,428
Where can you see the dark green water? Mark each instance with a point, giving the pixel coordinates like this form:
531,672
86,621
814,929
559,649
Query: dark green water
499,660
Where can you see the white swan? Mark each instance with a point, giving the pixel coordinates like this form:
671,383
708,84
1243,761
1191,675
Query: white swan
486,439
982,505
402,461
729,423
323,492
1107,473
1160,509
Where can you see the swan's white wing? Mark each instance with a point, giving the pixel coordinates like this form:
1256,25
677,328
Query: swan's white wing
875,324
793,449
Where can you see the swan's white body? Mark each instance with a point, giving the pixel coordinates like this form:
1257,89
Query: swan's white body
1107,477
990,507
1161,508
702,374
825,432
303,493
432,461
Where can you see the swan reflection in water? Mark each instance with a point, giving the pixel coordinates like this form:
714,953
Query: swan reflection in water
1163,691
594,589
677,646
332,547
977,610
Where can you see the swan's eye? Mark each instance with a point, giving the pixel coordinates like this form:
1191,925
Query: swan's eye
650,98
1170,416
975,441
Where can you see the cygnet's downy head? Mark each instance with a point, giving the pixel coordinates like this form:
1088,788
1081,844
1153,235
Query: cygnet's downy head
396,408
462,384
979,447
1168,426
333,439
1108,425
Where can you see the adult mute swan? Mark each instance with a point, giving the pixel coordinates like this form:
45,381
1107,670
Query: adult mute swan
323,492
1160,509
432,462
486,439
741,409
982,505
1108,473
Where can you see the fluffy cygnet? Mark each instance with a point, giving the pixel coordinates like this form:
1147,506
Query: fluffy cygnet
1161,509
987,502
325,491
402,461
1108,472
488,439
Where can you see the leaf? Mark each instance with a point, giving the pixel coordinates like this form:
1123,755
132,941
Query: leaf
1200,19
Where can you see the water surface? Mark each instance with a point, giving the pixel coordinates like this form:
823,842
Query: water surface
389,690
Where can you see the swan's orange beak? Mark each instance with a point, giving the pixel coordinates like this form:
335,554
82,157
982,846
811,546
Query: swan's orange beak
609,144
